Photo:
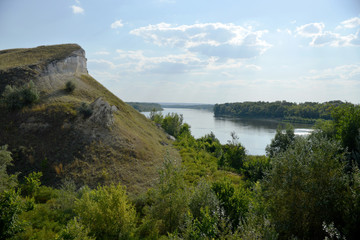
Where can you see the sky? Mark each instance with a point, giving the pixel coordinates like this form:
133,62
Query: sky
202,51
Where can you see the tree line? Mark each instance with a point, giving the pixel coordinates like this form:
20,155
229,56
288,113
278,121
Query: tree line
307,112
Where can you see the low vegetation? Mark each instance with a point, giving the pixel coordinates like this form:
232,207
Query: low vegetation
19,57
15,98
70,86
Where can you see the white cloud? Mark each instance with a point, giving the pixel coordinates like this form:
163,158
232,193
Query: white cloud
102,53
310,30
101,63
209,39
341,75
136,61
77,9
320,38
253,67
350,23
117,24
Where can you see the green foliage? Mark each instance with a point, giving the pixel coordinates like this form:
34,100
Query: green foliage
306,112
347,124
172,123
107,212
85,110
145,107
17,98
169,198
11,206
156,116
205,226
6,181
70,86
257,226
233,153
32,184
233,199
75,230
307,186
281,141
44,221
196,159
254,167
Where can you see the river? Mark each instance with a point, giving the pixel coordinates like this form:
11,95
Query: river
254,134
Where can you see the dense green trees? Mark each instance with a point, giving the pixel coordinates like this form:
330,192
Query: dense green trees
171,123
306,187
281,141
145,107
306,112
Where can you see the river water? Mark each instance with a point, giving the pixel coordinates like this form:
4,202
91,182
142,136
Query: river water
254,134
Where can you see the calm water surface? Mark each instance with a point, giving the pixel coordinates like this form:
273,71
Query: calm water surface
254,134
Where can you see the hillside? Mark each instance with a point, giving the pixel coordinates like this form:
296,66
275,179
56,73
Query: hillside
114,143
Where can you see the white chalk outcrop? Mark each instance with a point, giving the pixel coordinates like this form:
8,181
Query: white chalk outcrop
58,72
102,113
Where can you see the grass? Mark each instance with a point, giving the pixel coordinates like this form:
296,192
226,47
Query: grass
33,56
130,151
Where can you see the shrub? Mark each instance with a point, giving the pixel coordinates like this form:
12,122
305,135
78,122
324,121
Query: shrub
85,109
6,181
17,98
172,123
10,208
107,212
70,86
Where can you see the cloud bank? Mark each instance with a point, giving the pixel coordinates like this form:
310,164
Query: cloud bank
321,38
224,41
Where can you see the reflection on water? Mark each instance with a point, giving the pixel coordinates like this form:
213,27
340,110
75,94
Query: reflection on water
254,134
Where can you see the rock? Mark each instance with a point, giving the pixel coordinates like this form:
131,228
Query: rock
34,125
171,137
102,113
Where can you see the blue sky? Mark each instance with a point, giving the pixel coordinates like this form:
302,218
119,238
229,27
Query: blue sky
202,51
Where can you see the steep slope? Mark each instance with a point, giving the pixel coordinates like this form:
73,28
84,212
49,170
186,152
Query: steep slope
114,143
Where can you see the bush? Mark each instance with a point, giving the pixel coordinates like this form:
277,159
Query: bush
11,207
85,109
17,98
70,86
6,181
107,212
281,141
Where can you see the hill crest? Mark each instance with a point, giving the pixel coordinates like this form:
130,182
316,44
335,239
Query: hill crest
114,143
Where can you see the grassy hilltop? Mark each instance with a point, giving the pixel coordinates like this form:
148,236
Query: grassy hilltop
53,136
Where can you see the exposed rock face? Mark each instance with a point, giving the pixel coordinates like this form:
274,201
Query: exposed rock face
74,64
34,125
48,74
57,73
102,113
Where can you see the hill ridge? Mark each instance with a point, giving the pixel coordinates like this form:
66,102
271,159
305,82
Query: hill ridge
114,143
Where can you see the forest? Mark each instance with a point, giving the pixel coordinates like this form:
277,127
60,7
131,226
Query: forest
306,187
145,107
307,112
